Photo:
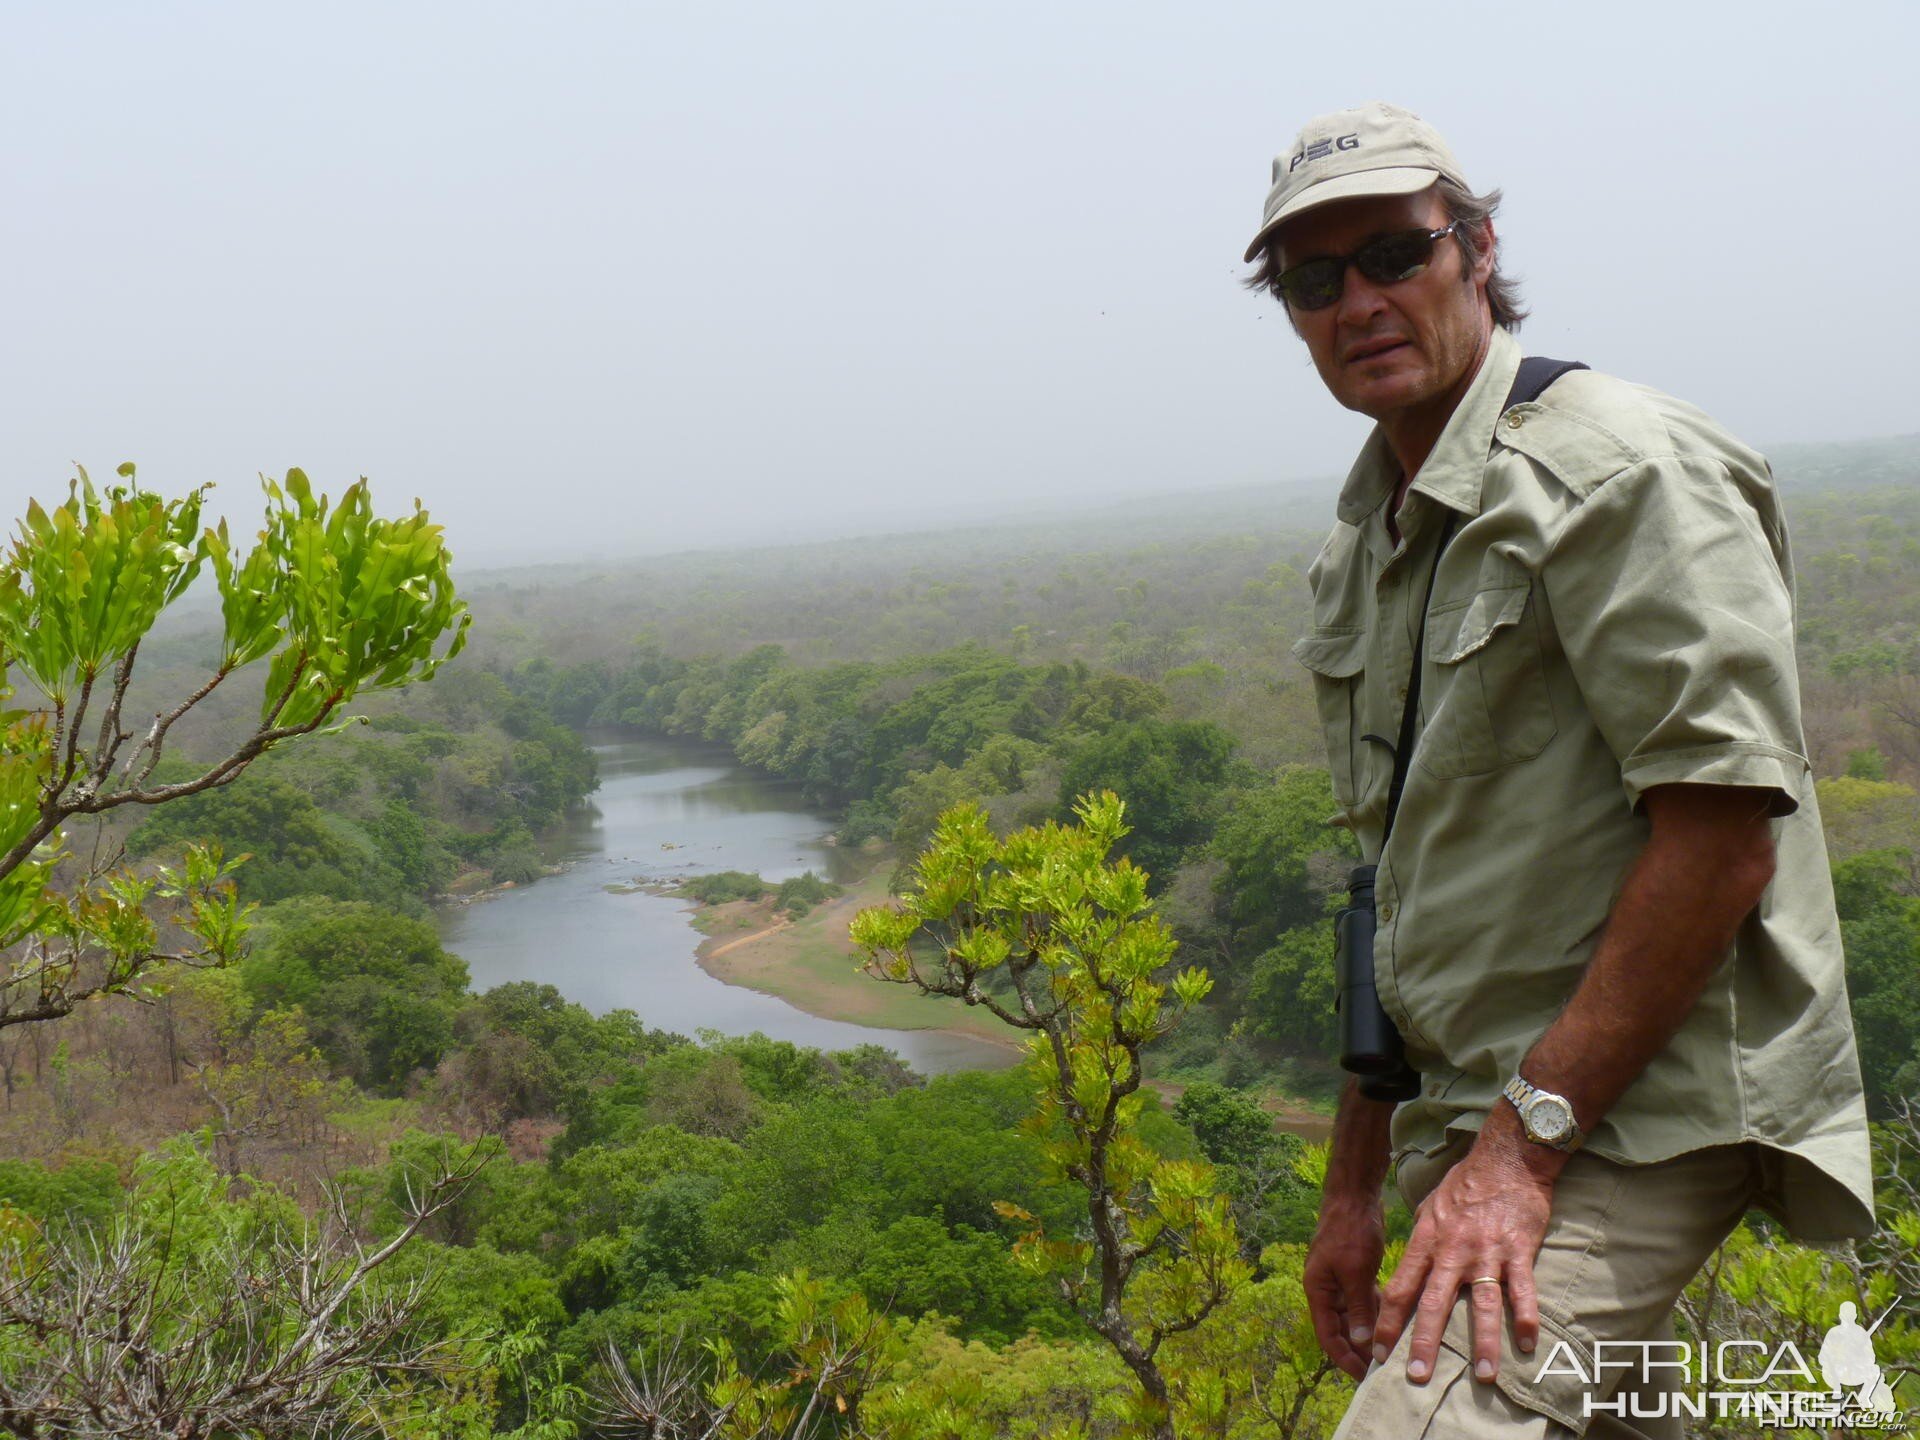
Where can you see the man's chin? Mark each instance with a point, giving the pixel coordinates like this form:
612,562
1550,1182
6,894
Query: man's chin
1379,396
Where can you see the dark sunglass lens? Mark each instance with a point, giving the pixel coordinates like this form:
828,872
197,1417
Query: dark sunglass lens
1395,257
1313,285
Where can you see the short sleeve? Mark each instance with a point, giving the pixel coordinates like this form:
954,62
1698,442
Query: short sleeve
1676,616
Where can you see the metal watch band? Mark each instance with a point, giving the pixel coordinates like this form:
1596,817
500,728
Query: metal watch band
1520,1092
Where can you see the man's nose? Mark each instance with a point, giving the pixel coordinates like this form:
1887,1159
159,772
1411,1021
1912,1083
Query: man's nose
1360,299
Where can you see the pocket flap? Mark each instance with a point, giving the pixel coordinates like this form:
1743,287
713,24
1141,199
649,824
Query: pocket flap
1333,653
1450,641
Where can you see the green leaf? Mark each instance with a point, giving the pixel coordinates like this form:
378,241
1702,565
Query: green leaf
363,602
84,582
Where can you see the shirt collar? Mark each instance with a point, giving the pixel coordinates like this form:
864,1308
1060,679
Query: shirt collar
1453,470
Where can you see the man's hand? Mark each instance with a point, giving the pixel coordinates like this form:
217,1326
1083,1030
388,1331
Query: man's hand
1342,1278
1707,862
1487,1216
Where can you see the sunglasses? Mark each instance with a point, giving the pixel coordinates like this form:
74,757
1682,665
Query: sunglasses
1385,259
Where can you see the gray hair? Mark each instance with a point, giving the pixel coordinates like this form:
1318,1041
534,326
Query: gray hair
1471,214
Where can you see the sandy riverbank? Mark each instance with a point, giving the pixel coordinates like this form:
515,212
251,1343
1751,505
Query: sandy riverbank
811,964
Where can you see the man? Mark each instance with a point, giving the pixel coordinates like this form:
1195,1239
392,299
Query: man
1605,897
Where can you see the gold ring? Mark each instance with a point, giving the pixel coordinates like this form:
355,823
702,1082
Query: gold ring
1485,1280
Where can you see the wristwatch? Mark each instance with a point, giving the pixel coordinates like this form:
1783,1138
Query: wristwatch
1548,1117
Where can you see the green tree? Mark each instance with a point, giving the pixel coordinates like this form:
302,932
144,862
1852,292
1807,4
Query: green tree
379,993
1076,938
799,894
1880,932
919,804
270,1086
293,847
1229,1124
550,1054
1280,853
601,1189
1867,764
423,865
1272,1197
982,1156
1861,815
336,600
801,1167
76,1190
1290,991
671,1243
916,1265
1169,773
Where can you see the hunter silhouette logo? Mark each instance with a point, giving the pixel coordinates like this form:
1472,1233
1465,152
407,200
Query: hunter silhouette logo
1848,1365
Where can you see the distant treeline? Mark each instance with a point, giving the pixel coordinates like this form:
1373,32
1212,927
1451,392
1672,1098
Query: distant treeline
1240,857
399,810
1243,859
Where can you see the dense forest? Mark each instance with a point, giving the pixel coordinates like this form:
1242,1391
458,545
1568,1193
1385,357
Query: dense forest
407,1208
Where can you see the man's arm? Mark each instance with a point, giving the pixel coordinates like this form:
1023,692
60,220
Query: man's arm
1343,1263
1706,863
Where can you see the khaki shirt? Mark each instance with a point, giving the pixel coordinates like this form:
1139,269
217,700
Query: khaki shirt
1613,612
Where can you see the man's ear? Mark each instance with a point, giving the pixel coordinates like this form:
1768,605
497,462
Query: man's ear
1483,267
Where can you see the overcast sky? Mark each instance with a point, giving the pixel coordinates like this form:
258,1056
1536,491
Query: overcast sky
604,279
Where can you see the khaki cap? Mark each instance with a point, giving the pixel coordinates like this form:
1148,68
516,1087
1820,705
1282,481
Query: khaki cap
1374,149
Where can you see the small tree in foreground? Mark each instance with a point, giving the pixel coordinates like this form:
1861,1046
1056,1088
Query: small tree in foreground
335,599
201,1312
1041,930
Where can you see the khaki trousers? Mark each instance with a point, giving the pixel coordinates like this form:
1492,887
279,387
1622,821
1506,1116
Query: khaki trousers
1622,1244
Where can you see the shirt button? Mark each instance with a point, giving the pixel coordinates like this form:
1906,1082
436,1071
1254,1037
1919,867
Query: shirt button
1386,912
1515,420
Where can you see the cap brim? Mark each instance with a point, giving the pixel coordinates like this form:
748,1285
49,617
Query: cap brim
1399,180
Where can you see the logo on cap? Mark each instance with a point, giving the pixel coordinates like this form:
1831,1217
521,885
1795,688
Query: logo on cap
1321,149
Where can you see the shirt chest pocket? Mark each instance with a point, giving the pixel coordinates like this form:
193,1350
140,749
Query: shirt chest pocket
1486,700
1336,656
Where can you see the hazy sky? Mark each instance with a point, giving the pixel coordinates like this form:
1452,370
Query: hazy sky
602,279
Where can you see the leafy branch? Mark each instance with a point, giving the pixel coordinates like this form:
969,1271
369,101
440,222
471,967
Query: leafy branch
337,600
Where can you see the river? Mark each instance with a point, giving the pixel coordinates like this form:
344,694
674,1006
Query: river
667,808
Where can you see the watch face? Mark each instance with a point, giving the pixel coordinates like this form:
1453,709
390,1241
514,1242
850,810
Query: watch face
1549,1118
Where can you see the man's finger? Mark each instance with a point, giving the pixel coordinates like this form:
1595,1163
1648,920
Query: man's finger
1329,1328
1363,1311
1429,1319
1326,1304
1489,1310
1402,1291
1525,1301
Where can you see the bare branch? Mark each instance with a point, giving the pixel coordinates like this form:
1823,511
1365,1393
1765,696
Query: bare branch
156,737
132,1334
111,736
67,763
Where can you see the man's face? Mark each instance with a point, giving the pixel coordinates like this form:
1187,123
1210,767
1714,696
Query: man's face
1391,350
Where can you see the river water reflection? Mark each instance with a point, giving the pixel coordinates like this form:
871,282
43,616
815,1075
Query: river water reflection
669,808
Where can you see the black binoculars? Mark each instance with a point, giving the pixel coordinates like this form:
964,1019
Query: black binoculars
1370,1047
